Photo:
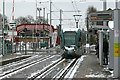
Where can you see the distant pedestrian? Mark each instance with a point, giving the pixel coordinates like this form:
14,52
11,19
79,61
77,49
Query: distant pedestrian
105,51
97,48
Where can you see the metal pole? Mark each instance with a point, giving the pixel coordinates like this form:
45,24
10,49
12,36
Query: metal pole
87,26
13,28
43,15
50,14
25,46
116,4
50,23
39,9
116,43
39,16
61,17
13,38
47,17
111,50
3,50
104,5
36,9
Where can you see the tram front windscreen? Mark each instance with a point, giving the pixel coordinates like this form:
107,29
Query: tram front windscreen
69,38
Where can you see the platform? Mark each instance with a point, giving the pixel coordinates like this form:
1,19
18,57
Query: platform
12,58
90,69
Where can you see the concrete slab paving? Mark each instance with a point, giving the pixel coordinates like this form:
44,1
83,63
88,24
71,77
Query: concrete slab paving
90,68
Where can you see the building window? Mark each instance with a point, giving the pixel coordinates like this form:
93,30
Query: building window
99,23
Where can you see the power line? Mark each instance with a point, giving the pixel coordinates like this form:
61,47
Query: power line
55,7
49,10
58,10
75,7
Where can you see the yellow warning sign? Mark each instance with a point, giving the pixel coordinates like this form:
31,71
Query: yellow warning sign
117,49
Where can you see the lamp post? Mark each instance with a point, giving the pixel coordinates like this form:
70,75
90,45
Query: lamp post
104,5
44,10
116,4
50,23
43,15
39,9
77,18
47,18
3,50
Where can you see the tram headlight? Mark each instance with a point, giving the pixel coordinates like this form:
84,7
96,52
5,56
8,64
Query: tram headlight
65,50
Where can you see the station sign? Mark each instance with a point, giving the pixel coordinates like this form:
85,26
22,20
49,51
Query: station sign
117,49
12,24
101,17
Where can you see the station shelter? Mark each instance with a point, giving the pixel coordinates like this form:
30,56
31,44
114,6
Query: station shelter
34,33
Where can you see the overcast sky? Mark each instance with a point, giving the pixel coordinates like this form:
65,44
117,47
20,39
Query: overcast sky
28,7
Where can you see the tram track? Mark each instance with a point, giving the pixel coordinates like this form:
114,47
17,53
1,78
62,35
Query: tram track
45,70
63,73
20,68
69,71
19,63
43,74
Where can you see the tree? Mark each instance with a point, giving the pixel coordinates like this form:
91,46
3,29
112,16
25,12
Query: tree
22,20
30,19
90,9
40,20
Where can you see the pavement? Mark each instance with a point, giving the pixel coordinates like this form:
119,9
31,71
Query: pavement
90,69
12,58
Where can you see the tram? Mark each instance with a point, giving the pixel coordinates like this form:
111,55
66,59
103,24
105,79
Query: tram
72,42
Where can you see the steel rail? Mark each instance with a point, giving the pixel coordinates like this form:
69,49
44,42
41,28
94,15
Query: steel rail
8,73
72,71
41,72
64,72
68,75
19,62
43,75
